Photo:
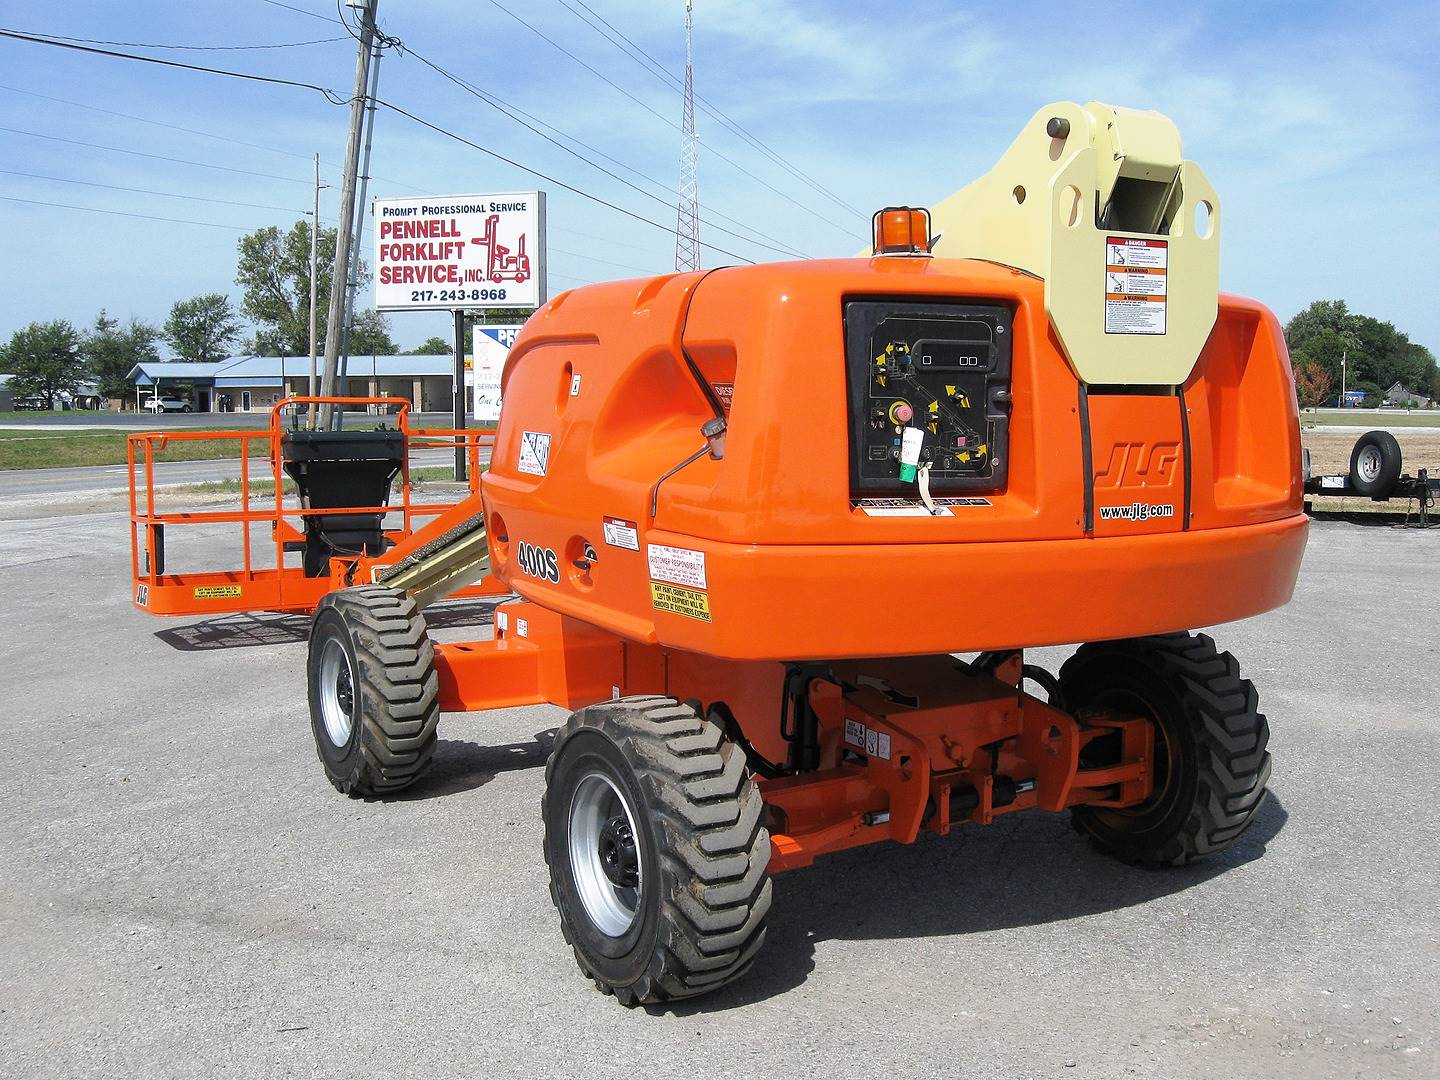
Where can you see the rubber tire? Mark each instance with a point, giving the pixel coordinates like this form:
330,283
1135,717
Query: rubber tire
1211,732
701,920
1389,450
396,710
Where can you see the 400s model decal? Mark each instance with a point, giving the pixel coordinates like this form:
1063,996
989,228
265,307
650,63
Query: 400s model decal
538,562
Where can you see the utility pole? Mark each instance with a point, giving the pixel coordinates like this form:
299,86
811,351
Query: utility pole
457,389
314,274
352,279
340,279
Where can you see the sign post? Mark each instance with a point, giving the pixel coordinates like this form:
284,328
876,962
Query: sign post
460,253
458,388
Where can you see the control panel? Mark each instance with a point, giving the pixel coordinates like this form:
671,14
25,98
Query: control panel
940,368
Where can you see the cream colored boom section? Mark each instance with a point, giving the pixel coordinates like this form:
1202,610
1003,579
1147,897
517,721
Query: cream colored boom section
1076,185
437,567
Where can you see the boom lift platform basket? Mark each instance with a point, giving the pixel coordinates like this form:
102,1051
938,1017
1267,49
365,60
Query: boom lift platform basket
265,580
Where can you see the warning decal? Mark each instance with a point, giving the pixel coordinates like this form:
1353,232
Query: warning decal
678,565
1136,285
868,740
216,592
621,533
692,603
534,453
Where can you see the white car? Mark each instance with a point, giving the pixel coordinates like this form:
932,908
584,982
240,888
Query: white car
167,404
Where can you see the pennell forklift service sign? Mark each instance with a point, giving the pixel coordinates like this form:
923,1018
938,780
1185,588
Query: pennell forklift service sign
460,251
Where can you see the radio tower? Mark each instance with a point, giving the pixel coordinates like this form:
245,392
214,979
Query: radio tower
687,221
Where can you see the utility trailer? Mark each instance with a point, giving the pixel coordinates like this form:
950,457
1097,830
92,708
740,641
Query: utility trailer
1376,473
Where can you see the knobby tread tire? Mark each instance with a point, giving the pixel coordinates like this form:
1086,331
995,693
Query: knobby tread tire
396,686
1224,736
707,817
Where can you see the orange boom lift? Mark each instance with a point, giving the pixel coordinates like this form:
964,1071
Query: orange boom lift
754,518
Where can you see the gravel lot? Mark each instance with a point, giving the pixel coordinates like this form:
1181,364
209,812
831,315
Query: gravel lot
183,894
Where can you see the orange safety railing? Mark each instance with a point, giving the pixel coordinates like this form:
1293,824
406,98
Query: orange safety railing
264,582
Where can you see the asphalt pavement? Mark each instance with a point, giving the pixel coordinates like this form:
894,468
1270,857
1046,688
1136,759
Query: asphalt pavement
183,895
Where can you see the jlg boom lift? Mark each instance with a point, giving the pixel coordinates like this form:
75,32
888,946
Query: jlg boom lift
753,514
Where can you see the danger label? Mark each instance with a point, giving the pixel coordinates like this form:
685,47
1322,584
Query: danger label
692,603
216,592
622,534
681,566
1136,285
724,393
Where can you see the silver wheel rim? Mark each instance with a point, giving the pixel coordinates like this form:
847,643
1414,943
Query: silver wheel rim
337,691
605,856
1369,463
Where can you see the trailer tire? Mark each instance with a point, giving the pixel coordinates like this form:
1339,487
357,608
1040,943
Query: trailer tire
1210,750
373,689
657,850
1375,464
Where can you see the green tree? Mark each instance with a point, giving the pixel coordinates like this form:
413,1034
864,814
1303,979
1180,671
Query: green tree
370,334
274,271
203,329
1376,354
43,359
111,352
434,346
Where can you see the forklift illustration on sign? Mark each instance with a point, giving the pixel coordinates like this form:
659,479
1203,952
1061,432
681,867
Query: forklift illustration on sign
500,265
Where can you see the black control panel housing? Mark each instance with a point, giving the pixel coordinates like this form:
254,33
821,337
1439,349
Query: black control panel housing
950,364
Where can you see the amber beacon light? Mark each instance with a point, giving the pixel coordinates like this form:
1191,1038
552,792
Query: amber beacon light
901,230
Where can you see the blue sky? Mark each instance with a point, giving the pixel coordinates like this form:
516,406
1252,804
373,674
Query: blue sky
1314,121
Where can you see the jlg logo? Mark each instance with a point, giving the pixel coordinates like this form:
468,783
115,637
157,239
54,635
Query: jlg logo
1132,464
538,562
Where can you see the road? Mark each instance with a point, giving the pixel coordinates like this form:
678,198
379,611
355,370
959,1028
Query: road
184,896
49,421
110,479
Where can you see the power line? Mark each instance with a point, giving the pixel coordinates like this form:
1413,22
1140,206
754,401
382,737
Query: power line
329,96
298,11
604,262
515,113
124,213
148,191
194,131
156,157
193,48
248,76
670,123
785,249
543,176
648,63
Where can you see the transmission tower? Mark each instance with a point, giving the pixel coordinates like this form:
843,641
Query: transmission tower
687,223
